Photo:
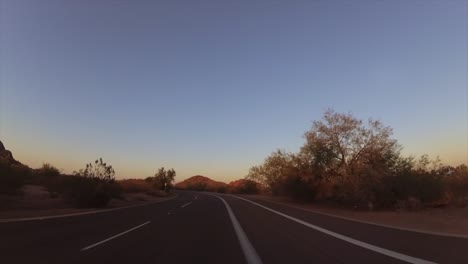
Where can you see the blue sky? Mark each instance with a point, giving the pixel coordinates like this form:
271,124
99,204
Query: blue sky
212,87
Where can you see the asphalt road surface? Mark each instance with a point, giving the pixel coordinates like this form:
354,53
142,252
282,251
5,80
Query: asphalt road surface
212,228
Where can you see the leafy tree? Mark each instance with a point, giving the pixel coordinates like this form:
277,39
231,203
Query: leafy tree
350,154
285,174
342,145
359,163
163,180
273,168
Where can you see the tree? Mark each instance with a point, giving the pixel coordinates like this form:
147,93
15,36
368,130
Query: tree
348,153
285,174
163,179
244,186
359,163
100,170
273,168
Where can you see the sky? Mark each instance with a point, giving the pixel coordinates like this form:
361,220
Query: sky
213,87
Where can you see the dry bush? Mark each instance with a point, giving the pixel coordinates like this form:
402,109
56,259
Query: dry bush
456,181
135,186
243,186
13,177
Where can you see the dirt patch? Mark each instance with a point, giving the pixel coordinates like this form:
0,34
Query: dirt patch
36,201
452,220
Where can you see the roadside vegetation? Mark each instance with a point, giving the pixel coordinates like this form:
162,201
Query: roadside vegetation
91,187
204,184
344,160
348,161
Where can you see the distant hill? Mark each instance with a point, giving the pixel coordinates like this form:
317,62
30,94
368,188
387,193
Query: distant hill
201,183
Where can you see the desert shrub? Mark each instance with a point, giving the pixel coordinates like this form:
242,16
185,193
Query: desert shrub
79,191
141,186
93,186
410,190
430,187
135,186
426,187
47,175
298,188
99,170
48,171
221,189
456,181
244,186
88,192
344,193
157,193
9,183
12,177
199,186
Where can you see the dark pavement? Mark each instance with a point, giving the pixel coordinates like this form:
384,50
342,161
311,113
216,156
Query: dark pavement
196,228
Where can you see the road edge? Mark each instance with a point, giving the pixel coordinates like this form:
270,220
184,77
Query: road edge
356,242
434,233
36,218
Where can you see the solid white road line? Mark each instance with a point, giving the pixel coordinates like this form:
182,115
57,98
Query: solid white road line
250,254
9,220
112,237
186,204
368,222
353,241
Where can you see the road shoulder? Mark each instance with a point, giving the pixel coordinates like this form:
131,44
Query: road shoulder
446,221
27,215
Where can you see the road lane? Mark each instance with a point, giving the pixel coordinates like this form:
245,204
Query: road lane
55,240
114,237
434,248
200,231
280,240
196,228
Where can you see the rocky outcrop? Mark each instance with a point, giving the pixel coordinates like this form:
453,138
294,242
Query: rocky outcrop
2,148
6,156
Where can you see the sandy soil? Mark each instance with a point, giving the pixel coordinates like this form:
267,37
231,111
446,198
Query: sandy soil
36,201
452,220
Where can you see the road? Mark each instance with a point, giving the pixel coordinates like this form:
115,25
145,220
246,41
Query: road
212,228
